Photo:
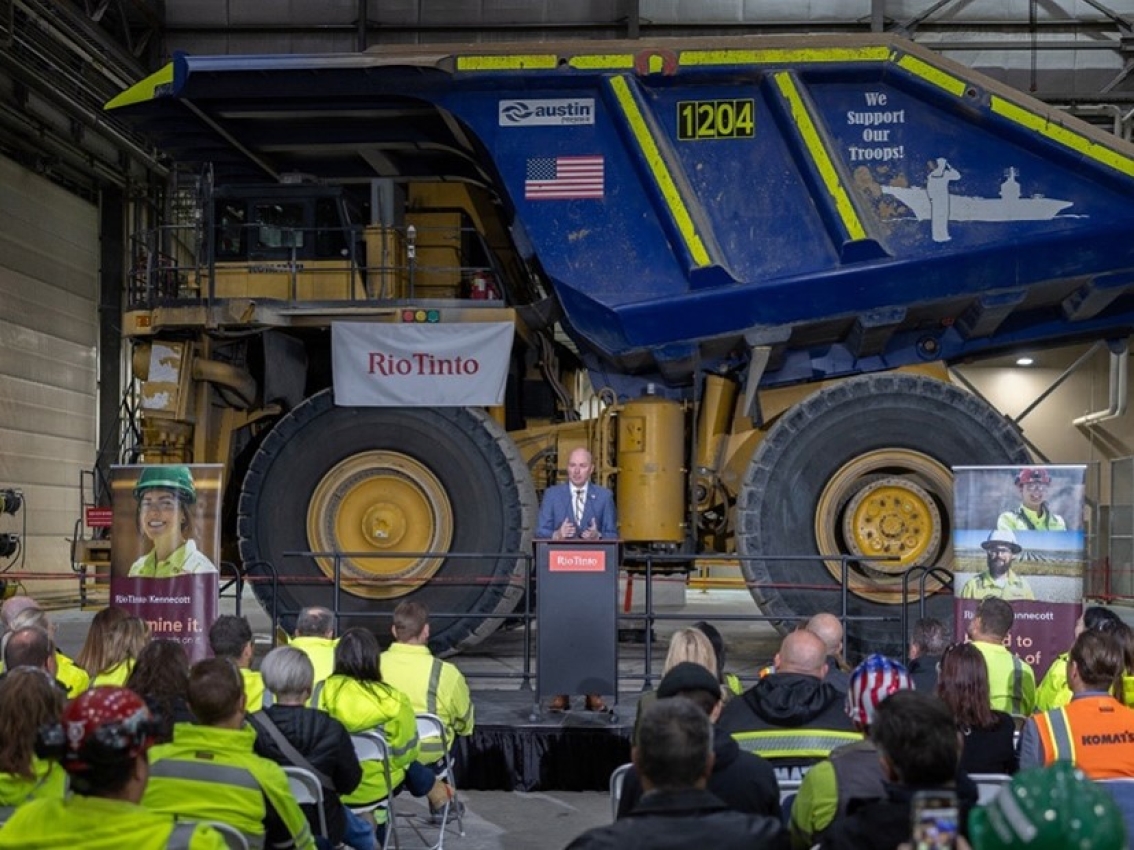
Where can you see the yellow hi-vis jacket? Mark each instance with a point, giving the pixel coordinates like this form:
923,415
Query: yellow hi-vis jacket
96,823
49,783
253,690
433,687
209,773
71,674
362,706
320,650
1011,682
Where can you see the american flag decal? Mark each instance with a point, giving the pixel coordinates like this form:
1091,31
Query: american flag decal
564,178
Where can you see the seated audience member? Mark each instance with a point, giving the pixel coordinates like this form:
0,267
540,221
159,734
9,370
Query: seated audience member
920,749
315,636
432,685
853,771
210,772
674,758
685,645
730,681
92,655
988,737
1093,730
742,781
126,640
322,741
161,678
791,710
12,606
29,699
73,677
231,637
29,647
102,743
1011,681
1049,808
830,630
1054,691
927,644
357,697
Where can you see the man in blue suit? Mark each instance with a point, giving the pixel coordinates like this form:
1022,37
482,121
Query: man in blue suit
577,509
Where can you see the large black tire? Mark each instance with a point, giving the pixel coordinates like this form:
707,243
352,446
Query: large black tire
868,437
390,480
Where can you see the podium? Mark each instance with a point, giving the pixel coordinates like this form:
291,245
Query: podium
576,593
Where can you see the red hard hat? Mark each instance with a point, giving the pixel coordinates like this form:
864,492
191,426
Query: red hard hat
1030,475
105,725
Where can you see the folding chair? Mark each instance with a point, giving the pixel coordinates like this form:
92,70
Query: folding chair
430,726
989,785
616,779
234,839
371,746
307,790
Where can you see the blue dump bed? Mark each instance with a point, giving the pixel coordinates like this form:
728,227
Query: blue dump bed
848,204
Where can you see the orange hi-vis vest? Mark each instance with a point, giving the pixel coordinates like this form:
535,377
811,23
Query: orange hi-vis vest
1095,733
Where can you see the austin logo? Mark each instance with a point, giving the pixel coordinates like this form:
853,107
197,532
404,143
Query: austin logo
558,112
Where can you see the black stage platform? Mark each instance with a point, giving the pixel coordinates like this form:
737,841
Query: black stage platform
559,751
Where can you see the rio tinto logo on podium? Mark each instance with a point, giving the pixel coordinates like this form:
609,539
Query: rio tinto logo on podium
576,561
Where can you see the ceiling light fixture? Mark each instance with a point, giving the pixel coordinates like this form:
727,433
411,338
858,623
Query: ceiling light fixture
1024,361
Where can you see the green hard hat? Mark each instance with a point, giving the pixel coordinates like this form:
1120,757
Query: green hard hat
168,477
1049,808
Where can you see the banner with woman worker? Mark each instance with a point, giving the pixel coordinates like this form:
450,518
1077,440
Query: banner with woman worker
166,544
1019,535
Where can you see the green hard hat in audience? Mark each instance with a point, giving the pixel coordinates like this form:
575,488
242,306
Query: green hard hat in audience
1049,808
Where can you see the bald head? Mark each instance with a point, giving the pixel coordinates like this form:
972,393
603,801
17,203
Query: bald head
829,630
14,606
802,652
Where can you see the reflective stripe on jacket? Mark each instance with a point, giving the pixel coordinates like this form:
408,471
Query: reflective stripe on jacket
1011,682
433,687
1094,732
98,823
210,773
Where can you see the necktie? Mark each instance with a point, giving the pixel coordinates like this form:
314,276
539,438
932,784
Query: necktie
579,495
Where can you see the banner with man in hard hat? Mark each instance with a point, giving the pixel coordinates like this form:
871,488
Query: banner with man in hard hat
1019,536
165,546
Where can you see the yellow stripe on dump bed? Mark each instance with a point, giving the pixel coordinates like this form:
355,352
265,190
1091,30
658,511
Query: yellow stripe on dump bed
514,62
600,61
823,164
942,79
144,90
1062,135
660,171
780,57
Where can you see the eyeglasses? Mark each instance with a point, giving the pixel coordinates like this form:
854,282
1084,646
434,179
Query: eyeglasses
1034,486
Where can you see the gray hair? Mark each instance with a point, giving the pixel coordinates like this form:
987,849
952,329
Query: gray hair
315,621
287,672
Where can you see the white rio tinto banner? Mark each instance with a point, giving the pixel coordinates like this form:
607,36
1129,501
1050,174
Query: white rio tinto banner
380,365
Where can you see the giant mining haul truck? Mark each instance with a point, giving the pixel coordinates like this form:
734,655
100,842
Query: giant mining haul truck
736,268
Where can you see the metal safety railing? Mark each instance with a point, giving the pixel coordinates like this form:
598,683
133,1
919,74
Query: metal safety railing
261,572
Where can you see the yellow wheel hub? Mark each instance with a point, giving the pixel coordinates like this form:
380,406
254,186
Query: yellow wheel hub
373,506
892,518
888,505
